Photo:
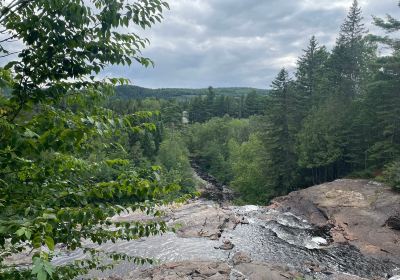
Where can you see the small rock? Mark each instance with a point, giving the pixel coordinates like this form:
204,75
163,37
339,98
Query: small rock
228,245
394,221
240,257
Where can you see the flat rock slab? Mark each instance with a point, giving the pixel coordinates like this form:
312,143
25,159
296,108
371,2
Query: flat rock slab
186,271
261,271
202,219
197,218
358,211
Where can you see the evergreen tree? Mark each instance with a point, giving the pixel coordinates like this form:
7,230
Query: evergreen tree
309,74
344,84
348,57
209,103
322,140
252,105
382,103
278,136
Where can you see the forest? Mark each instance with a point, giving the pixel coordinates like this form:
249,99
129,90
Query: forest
336,116
76,150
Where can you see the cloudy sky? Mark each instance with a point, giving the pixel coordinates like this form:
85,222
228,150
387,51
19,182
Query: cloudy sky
239,42
227,43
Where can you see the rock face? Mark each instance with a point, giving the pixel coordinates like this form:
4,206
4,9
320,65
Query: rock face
360,212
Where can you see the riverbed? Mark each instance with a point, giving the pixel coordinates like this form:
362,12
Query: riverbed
219,241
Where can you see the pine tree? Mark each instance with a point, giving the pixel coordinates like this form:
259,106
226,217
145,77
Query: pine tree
310,70
346,74
278,136
382,102
252,105
348,57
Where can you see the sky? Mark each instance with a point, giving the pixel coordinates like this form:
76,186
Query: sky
225,43
232,43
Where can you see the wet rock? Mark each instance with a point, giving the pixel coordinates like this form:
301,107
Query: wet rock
227,245
240,257
394,221
202,219
356,210
185,271
212,189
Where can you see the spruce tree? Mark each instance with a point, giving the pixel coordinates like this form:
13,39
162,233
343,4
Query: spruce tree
348,57
278,136
382,103
309,73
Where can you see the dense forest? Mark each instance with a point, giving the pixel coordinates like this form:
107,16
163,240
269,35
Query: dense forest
75,151
336,116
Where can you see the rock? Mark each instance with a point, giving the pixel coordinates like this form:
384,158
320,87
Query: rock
259,271
186,270
240,257
202,219
356,210
394,221
228,245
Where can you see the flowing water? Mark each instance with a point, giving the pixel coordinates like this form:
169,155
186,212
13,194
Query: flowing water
266,236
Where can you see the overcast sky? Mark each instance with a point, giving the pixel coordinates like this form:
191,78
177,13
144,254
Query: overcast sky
230,43
239,42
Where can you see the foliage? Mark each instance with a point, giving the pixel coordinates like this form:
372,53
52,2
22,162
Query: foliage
136,92
278,135
208,142
66,162
174,158
391,175
338,117
247,162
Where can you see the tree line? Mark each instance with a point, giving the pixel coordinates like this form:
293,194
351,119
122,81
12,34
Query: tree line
337,116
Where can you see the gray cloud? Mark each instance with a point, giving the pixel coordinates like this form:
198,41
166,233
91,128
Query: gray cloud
240,43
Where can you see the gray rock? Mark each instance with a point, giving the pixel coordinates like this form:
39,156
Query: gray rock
240,257
394,221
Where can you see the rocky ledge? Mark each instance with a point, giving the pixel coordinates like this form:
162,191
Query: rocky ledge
359,212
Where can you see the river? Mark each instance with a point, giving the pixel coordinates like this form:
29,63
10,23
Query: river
264,235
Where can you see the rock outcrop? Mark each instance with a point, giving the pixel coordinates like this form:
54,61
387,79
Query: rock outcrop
359,216
360,212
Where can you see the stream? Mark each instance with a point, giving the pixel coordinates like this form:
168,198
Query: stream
266,236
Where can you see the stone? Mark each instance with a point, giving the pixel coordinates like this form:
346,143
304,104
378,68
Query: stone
394,221
186,270
356,210
227,245
240,257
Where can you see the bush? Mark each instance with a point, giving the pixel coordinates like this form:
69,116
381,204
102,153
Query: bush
391,175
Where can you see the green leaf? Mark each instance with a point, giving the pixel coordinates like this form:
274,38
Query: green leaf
30,134
49,242
21,231
28,234
42,275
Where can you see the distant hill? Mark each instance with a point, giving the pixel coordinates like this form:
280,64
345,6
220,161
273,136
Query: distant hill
136,92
